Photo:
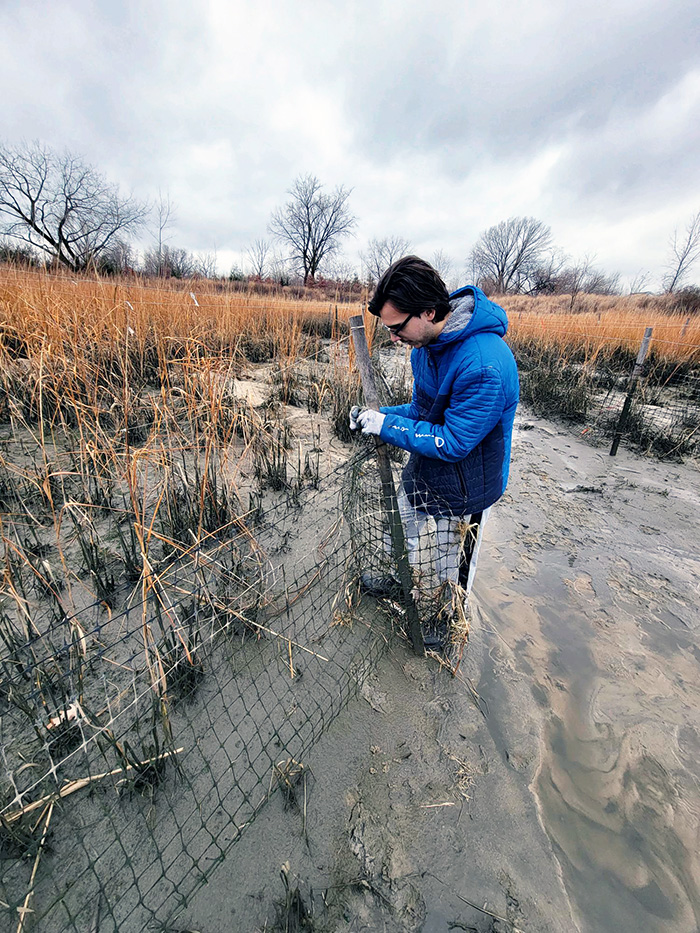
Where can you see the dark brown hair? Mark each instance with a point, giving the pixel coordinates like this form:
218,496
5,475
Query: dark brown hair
412,286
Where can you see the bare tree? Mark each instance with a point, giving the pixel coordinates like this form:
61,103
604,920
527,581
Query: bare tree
443,265
557,276
341,271
545,279
602,283
506,256
685,249
164,213
312,224
380,254
572,280
206,265
639,282
278,268
258,255
117,258
61,206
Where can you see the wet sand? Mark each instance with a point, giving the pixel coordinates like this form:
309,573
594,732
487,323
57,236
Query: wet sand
610,584
554,785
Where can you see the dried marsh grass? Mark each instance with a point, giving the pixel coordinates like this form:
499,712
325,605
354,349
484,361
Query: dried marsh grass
603,325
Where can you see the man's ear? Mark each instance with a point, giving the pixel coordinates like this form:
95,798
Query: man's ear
429,315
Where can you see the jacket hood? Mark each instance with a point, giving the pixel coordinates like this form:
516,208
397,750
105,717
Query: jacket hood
472,313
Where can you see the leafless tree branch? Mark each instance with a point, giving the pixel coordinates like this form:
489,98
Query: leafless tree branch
506,255
380,254
258,254
312,224
685,249
61,206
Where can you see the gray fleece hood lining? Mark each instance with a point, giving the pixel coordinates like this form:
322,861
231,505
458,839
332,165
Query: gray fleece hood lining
461,310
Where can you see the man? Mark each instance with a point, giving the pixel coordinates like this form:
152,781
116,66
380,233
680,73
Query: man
459,423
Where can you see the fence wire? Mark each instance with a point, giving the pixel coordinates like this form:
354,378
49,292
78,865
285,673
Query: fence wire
588,385
664,417
138,746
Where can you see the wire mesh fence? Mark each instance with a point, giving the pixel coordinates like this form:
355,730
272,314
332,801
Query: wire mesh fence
664,417
586,378
138,746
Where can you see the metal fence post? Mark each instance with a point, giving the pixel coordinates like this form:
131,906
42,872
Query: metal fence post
631,386
391,508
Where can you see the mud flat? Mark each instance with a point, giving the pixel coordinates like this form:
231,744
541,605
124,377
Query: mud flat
554,785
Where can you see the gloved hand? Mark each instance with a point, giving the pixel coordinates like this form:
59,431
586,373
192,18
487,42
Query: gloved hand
354,413
370,421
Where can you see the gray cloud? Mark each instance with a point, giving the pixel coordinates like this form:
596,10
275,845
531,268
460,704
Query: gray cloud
523,81
443,120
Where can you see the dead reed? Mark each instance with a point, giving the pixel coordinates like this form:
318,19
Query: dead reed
130,445
606,325
577,365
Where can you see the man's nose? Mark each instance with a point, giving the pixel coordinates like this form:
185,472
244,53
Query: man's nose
395,338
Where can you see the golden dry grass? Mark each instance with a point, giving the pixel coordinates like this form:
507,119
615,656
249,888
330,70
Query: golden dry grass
80,347
120,400
56,310
54,314
605,322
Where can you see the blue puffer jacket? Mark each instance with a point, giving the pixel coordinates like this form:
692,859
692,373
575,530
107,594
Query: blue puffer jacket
459,424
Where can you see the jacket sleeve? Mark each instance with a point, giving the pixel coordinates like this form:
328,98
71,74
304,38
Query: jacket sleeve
476,406
404,411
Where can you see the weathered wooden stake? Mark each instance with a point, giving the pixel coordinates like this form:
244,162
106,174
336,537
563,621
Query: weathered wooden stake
631,386
391,507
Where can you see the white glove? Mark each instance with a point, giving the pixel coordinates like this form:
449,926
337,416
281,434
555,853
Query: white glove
354,412
371,421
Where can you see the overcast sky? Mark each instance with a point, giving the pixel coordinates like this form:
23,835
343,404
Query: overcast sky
443,118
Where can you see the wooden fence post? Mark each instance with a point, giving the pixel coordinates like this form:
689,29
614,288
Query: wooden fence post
631,386
391,508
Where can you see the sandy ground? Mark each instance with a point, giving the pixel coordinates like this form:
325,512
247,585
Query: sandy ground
555,783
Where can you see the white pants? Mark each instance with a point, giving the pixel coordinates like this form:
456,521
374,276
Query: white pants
456,545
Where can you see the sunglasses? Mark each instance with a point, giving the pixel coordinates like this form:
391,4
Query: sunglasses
396,329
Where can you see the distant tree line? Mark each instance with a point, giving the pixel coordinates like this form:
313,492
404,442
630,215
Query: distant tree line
55,209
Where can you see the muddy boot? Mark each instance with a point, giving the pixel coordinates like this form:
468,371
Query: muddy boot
381,587
435,633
